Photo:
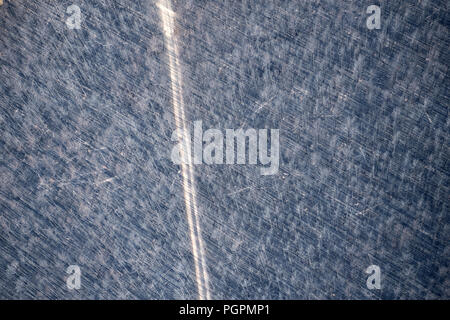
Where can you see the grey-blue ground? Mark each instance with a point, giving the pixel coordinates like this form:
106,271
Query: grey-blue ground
86,178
